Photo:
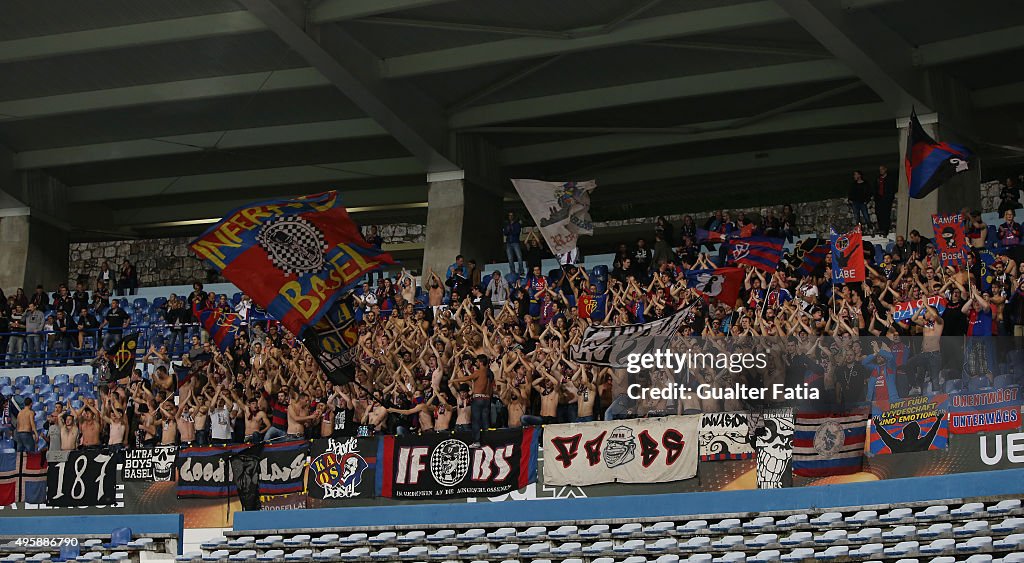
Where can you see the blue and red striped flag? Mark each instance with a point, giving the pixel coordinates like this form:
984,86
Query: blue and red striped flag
762,253
223,327
294,257
829,443
930,163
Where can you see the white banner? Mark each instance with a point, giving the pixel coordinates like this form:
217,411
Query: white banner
645,450
611,345
560,209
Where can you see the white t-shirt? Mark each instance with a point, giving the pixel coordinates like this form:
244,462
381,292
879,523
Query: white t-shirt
220,424
499,290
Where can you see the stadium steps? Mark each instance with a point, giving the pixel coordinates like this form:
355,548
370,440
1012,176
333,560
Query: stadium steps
957,530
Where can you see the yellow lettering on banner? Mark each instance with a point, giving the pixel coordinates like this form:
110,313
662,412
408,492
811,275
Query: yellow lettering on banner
306,305
327,204
211,252
229,232
254,214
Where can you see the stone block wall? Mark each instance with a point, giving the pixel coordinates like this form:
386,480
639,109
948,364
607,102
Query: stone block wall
165,261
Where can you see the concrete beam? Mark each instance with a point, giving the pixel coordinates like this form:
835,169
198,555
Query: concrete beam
182,90
995,96
753,160
164,209
652,91
970,46
240,179
199,142
413,119
877,54
696,22
184,29
603,144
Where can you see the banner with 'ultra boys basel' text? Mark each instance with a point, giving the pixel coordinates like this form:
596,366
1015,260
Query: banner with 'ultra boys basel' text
650,450
294,257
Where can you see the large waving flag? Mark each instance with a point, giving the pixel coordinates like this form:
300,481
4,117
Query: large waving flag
223,327
763,253
829,444
294,257
561,210
951,239
847,256
930,163
722,284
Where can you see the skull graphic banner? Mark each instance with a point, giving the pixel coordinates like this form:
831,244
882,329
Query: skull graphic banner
651,450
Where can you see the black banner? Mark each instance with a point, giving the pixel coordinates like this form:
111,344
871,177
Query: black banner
441,466
282,466
333,339
344,468
206,472
245,466
87,478
149,464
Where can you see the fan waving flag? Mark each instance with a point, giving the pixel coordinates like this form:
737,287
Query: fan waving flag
762,253
704,235
561,210
950,239
829,444
294,257
809,255
122,356
930,163
722,284
847,256
222,326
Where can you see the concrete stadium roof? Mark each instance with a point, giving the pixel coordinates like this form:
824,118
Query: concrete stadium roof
158,114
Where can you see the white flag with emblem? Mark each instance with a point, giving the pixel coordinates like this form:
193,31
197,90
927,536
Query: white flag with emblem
560,209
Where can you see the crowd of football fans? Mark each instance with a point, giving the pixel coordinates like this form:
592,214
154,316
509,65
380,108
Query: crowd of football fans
469,350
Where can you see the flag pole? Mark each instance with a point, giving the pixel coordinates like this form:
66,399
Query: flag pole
767,292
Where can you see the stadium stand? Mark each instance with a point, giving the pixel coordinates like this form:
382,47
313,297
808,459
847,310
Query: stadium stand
150,537
765,527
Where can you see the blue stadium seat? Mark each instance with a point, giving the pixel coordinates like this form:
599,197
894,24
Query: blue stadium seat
22,380
140,303
159,301
40,380
60,378
236,298
5,381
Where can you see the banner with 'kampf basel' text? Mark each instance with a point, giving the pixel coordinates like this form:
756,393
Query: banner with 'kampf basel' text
651,450
342,468
442,466
294,257
985,410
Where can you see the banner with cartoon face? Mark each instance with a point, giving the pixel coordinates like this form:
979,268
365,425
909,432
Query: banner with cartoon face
149,464
445,465
650,450
342,468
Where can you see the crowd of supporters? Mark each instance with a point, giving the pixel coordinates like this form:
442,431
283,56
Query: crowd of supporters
467,350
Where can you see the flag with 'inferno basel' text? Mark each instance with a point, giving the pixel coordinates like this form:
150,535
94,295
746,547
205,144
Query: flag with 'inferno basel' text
847,256
829,443
294,257
762,253
930,163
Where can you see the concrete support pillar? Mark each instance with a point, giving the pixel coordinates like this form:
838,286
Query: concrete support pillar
963,190
33,242
461,219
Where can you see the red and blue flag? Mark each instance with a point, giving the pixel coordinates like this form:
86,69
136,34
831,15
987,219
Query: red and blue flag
722,284
930,163
809,255
704,235
223,327
847,257
294,257
762,253
22,478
